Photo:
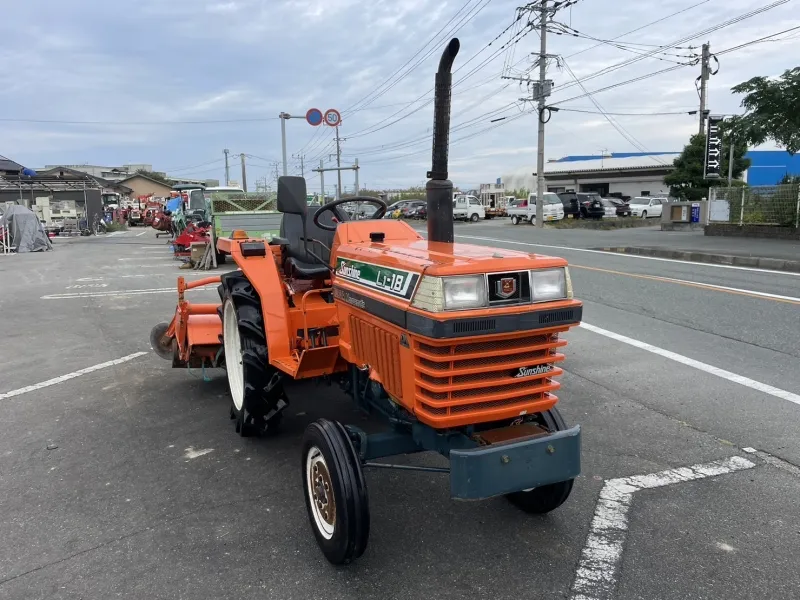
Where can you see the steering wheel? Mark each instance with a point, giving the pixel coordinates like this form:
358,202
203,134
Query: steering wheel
340,217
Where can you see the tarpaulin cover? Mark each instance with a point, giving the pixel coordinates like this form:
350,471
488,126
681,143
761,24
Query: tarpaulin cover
26,230
174,204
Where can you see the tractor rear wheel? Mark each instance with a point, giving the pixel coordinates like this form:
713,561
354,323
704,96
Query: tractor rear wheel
257,396
335,491
547,497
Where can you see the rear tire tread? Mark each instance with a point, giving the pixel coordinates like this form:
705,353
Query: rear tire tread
261,408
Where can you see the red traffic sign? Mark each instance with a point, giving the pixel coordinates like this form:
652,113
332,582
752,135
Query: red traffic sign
332,117
314,116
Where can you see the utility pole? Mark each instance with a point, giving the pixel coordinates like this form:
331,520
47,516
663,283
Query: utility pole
540,189
338,164
227,169
302,166
704,72
541,89
244,173
338,169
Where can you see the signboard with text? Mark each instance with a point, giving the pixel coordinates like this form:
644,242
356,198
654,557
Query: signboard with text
713,162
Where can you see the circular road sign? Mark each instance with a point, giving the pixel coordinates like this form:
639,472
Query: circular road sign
332,117
314,116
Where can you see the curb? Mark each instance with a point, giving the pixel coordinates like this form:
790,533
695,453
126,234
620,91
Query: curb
773,264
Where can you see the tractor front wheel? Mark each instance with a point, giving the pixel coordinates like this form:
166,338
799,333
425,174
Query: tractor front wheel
257,397
335,492
547,497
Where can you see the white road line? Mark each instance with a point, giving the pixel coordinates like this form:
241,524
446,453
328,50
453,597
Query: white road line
774,461
596,578
690,362
191,453
68,376
141,234
733,289
672,260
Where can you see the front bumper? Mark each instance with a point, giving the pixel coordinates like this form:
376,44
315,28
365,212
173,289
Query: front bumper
503,468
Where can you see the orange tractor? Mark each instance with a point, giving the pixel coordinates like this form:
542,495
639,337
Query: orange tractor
454,345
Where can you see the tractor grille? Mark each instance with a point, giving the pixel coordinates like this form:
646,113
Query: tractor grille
468,382
384,347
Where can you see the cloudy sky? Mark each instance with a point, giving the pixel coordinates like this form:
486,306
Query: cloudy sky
174,82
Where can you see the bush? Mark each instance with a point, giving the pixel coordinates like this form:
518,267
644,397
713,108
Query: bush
114,226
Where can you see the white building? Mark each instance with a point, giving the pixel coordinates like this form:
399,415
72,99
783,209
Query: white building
107,173
628,175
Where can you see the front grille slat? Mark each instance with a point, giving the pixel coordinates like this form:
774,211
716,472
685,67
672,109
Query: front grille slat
486,349
465,378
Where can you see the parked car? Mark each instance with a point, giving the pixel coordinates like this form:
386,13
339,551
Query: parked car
468,208
525,210
623,208
410,207
364,211
646,206
610,208
419,211
395,210
582,205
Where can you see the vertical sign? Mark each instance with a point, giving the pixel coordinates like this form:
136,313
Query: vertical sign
713,162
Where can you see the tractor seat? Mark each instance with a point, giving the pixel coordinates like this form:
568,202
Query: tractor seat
299,263
304,270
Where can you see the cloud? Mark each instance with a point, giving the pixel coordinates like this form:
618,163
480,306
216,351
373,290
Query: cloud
244,61
223,7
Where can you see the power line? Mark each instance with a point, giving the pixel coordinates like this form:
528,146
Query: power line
645,26
68,122
211,162
624,114
375,127
759,40
466,18
620,129
689,37
662,71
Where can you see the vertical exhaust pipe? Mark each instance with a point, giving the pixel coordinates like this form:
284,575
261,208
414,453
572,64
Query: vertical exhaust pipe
439,189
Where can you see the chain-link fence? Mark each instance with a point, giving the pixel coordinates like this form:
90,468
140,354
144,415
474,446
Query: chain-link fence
226,202
777,205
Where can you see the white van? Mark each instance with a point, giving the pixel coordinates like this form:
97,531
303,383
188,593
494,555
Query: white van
468,208
525,210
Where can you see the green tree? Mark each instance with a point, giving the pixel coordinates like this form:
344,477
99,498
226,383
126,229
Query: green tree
154,175
686,181
772,108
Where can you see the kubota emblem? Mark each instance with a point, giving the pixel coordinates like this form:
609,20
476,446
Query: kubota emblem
505,287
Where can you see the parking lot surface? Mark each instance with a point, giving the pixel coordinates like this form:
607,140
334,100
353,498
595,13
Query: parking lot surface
124,477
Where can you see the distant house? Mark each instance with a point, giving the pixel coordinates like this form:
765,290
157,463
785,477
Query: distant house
142,185
625,174
8,168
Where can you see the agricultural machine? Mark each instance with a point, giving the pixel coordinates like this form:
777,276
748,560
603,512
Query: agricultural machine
455,346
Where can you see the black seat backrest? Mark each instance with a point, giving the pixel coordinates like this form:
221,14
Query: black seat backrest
292,230
293,204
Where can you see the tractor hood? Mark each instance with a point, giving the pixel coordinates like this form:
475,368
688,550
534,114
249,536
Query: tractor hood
403,248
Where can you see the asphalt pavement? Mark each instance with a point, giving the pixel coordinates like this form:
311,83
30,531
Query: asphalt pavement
124,477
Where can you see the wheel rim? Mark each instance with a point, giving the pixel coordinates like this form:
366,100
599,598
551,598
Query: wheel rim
233,354
320,493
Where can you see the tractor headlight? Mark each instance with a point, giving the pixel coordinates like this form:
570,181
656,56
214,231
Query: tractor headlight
550,284
437,294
